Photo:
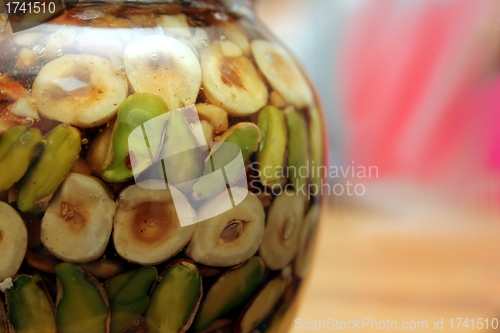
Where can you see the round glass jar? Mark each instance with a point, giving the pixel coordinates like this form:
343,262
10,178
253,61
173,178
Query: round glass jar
161,169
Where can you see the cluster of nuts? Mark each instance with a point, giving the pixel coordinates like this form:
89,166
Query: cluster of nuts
78,95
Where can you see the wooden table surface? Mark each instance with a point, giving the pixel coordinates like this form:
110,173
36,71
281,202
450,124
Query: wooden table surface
378,267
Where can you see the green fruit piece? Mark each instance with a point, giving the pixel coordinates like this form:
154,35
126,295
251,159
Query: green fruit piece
9,137
63,144
246,135
185,161
298,148
18,148
30,308
135,111
230,291
128,296
175,299
272,150
243,137
316,136
82,305
261,305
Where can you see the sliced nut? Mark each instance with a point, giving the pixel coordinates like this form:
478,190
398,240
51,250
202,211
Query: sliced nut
13,241
237,35
276,100
282,73
231,81
206,245
77,228
214,114
284,224
79,89
146,226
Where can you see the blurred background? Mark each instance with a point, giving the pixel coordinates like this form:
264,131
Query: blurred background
410,88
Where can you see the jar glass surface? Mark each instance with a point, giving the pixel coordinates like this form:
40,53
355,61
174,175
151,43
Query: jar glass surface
162,167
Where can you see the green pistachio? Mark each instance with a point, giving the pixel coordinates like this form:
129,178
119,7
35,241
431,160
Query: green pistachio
128,296
261,305
316,136
298,148
272,150
246,135
243,137
63,144
30,306
230,291
82,305
18,148
135,111
175,299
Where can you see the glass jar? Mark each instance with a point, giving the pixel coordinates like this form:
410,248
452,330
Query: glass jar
161,169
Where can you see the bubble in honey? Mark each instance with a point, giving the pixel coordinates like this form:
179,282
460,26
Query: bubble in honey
29,121
39,50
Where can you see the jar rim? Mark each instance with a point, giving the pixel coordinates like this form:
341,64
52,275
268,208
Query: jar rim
242,7
187,3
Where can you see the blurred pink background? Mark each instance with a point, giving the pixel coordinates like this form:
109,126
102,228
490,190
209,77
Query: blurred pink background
411,87
422,90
